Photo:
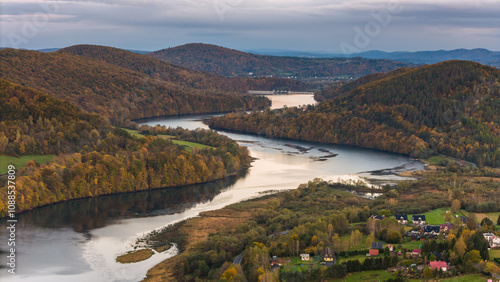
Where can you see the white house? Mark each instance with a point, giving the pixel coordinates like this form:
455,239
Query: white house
488,236
304,256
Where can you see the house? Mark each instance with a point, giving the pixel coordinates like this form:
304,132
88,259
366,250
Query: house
432,230
446,227
418,219
439,265
378,217
495,242
488,236
402,218
416,252
376,248
377,245
304,256
391,247
328,255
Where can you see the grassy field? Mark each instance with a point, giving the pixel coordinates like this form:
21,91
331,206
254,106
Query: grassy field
137,134
410,245
435,160
434,217
361,258
21,161
468,278
188,145
494,253
367,276
297,264
493,216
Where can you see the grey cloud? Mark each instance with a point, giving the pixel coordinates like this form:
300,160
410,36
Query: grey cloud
321,23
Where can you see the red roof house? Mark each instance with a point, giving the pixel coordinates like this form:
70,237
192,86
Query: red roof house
439,265
373,252
416,252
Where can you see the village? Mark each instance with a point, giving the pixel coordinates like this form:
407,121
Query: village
417,251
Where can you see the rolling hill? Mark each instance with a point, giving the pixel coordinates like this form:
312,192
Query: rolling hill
93,157
450,108
114,84
338,90
175,75
229,62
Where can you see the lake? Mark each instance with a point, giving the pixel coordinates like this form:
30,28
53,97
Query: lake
80,239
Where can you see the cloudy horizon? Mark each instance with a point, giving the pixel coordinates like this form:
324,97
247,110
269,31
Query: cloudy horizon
315,26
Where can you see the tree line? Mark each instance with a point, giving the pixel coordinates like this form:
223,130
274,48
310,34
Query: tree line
95,158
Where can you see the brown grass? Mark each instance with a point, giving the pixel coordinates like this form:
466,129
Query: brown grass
481,216
198,229
495,179
135,256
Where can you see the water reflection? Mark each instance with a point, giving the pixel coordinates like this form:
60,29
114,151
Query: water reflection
86,214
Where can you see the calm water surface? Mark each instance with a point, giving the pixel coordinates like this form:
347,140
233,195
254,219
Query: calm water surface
79,240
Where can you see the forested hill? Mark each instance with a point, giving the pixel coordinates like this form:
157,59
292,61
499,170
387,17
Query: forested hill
93,158
338,90
229,62
451,108
180,76
118,92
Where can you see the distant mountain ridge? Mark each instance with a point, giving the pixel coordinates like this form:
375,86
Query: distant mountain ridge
230,62
480,55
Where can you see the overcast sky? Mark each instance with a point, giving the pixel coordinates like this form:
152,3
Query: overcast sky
333,26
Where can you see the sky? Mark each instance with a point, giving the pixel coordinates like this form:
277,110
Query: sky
334,26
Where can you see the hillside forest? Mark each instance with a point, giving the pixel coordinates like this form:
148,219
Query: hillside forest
94,158
448,108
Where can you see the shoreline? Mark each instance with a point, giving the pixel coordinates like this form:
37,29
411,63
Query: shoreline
225,213
241,171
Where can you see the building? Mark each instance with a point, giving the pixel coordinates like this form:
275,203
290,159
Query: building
402,218
439,265
304,256
418,219
377,245
446,227
432,230
328,255
376,248
416,252
378,217
488,236
495,242
391,248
